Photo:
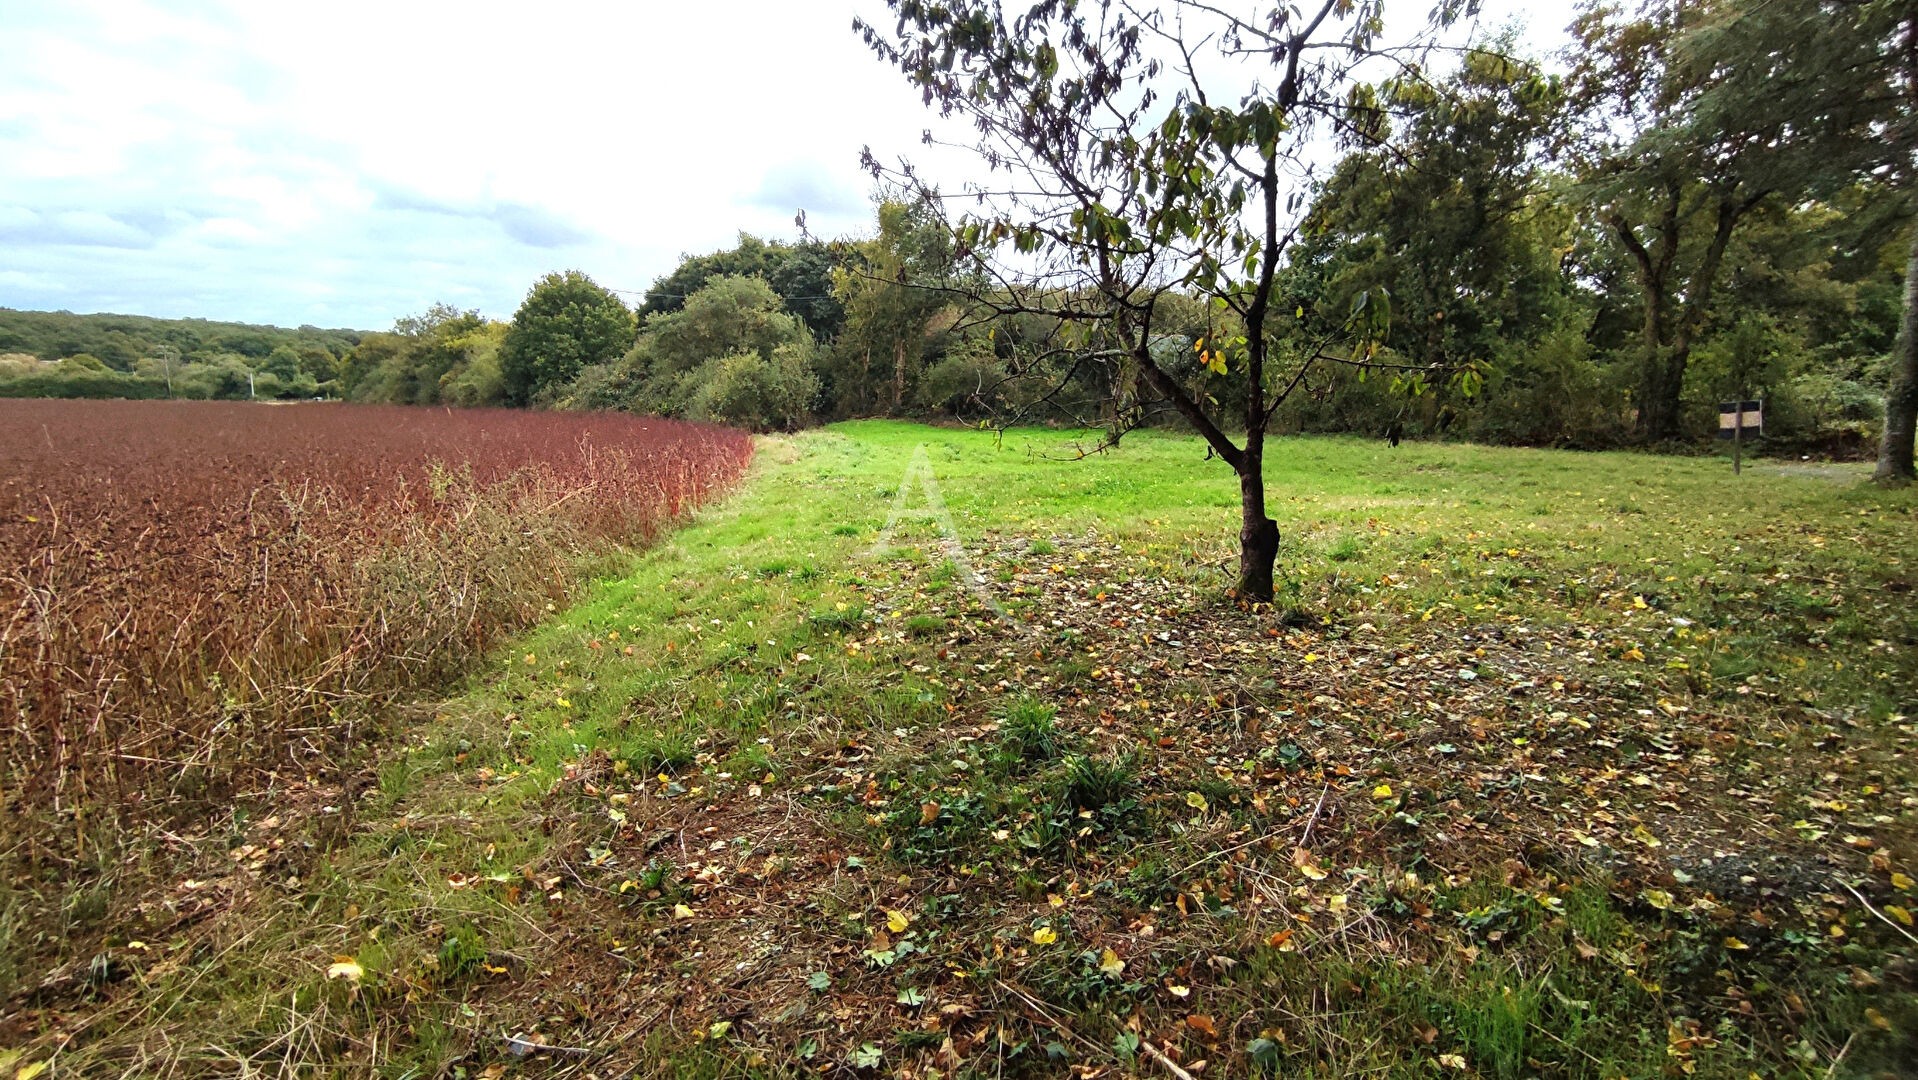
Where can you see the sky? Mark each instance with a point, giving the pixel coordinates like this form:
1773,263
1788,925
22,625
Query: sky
349,163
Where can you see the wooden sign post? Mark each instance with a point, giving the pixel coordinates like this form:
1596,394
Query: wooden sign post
1734,419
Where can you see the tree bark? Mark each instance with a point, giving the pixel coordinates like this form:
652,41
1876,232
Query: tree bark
1673,320
898,374
1901,403
1258,534
1662,376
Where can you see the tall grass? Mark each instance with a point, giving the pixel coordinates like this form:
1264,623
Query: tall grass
192,592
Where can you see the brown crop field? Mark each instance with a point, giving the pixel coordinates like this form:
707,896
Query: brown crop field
193,594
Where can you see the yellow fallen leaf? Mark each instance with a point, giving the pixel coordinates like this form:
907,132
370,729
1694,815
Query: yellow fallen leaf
1045,935
1179,991
28,1072
1901,881
1735,944
343,968
1903,915
1383,791
1659,899
897,921
1312,871
1110,964
681,911
1195,800
1644,836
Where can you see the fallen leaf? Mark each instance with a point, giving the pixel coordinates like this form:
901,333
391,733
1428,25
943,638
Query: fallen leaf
1202,1024
1383,791
1110,964
897,921
1045,935
343,968
681,911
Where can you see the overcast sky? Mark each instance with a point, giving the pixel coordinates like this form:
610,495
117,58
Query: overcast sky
347,163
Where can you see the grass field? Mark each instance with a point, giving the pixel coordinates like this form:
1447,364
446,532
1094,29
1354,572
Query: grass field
1545,764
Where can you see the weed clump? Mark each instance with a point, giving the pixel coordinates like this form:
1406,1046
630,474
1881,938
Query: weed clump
1028,731
1094,783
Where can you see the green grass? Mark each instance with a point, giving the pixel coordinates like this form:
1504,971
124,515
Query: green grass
661,814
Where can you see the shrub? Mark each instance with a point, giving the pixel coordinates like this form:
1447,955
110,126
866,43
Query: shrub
763,393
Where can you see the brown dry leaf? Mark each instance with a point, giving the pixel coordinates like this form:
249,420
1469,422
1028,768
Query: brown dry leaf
1202,1024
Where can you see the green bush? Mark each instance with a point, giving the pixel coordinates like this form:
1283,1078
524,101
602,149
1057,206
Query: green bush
763,393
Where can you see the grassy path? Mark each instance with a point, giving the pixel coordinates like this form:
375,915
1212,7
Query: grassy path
1544,764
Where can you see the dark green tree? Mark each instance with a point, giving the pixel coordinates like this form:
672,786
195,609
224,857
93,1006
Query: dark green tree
566,323
888,314
801,273
1837,81
1448,213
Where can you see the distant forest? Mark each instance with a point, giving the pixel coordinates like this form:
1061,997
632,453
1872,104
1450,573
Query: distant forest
60,354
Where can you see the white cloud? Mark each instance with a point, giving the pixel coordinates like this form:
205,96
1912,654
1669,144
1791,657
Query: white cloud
351,162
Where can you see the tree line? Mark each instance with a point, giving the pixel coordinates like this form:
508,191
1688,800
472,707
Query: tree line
61,354
1708,200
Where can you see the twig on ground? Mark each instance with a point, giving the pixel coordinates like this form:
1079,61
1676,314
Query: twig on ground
1842,1051
1881,915
1306,841
520,1045
1158,1055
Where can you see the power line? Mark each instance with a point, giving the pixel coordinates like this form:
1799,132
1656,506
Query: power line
682,296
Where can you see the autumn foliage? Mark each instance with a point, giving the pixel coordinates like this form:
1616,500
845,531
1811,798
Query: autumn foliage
194,592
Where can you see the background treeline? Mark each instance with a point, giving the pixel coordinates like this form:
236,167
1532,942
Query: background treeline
1706,201
1689,211
60,354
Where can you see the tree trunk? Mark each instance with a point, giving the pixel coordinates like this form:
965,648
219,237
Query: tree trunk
1660,408
1662,378
1901,403
898,374
1258,534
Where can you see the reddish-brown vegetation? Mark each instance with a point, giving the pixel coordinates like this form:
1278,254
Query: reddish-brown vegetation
192,590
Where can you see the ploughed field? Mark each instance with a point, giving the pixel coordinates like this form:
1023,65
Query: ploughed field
191,592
